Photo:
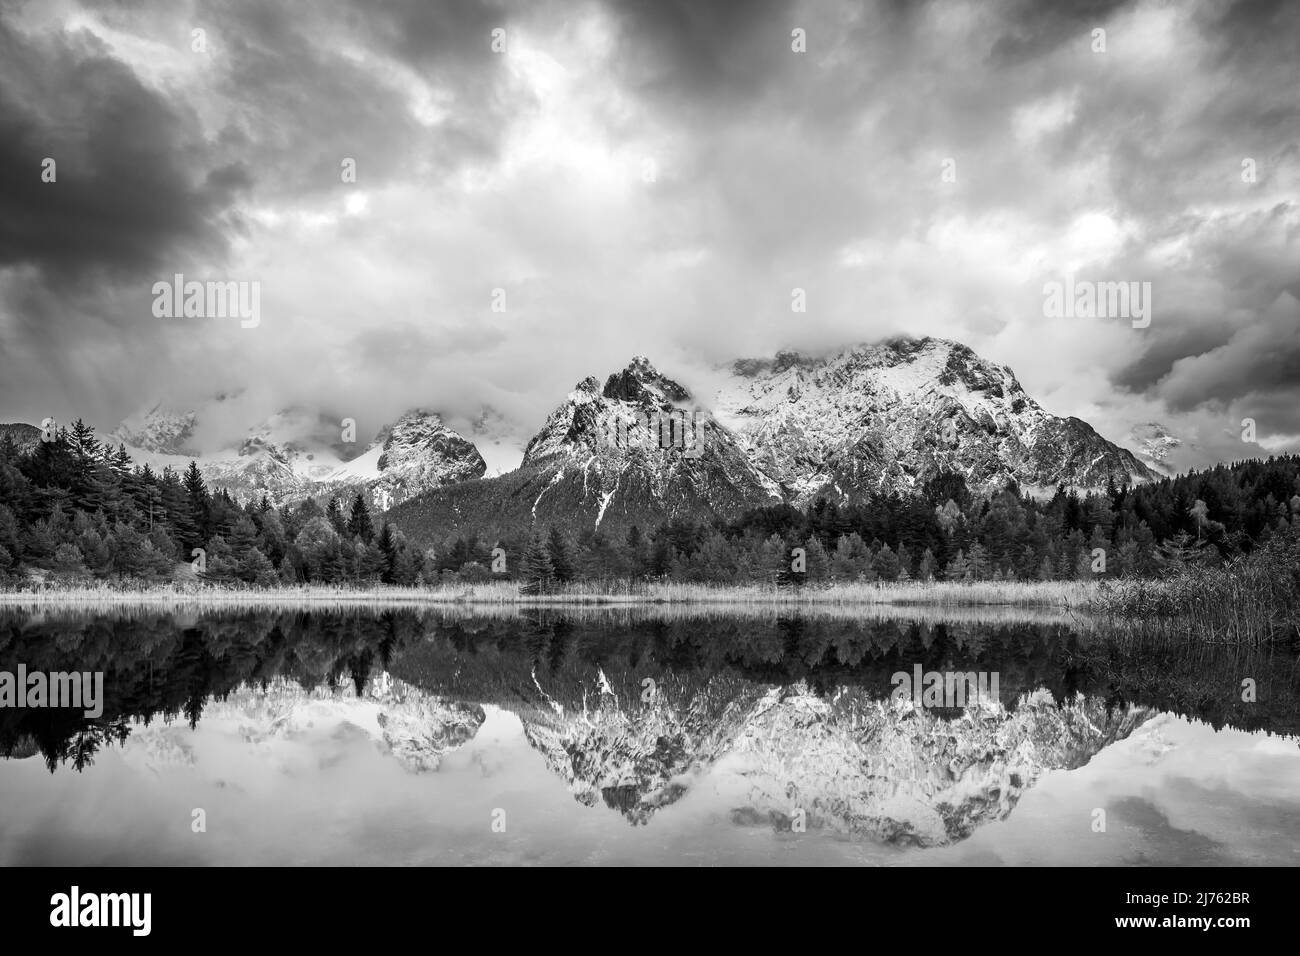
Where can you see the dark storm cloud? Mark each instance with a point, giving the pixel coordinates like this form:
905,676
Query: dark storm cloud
132,182
1252,261
1032,28
703,54
1184,335
1252,30
1261,357
818,170
304,72
449,37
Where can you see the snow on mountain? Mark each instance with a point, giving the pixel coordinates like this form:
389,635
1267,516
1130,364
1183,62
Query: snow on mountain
787,429
420,452
631,452
885,417
860,766
298,452
414,728
159,430
1155,445
892,415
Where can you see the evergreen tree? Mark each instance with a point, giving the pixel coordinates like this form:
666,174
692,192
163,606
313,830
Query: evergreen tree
359,524
537,572
818,563
561,554
387,545
336,517
958,568
885,564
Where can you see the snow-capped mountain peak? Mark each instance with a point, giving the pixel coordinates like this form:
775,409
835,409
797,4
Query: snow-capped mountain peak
1155,445
298,452
891,415
160,429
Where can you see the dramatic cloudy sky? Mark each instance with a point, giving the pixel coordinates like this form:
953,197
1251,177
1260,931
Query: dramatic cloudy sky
648,177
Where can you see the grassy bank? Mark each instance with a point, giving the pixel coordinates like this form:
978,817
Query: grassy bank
1048,594
1252,599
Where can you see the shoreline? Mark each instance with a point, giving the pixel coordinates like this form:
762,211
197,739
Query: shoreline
1059,595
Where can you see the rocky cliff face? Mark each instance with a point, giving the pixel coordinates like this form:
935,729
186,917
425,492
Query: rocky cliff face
891,416
635,451
638,450
419,452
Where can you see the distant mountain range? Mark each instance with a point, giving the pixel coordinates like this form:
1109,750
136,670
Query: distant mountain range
299,453
640,448
885,417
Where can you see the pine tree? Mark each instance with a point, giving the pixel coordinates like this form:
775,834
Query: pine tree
336,517
387,545
82,438
561,554
850,558
359,524
537,572
958,568
196,490
885,564
819,565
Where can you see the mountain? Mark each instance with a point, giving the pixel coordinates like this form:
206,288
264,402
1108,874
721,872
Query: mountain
298,452
160,430
1155,446
889,417
419,452
885,417
599,462
858,766
414,728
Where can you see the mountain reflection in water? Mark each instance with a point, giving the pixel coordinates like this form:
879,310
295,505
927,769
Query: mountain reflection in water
781,722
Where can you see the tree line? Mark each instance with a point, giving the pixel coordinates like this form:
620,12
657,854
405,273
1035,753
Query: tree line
944,532
73,508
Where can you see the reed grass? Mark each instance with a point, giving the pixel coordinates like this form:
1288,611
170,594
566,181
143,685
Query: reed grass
1252,599
1048,594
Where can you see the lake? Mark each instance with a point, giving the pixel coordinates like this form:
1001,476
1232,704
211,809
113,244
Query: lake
660,735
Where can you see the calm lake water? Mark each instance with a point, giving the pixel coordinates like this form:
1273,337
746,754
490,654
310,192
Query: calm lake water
593,737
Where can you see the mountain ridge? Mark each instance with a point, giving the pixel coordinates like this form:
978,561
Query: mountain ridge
640,450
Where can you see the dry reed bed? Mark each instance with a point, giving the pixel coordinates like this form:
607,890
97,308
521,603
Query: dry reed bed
1060,595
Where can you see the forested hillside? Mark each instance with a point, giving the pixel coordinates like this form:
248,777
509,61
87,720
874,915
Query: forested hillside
74,509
